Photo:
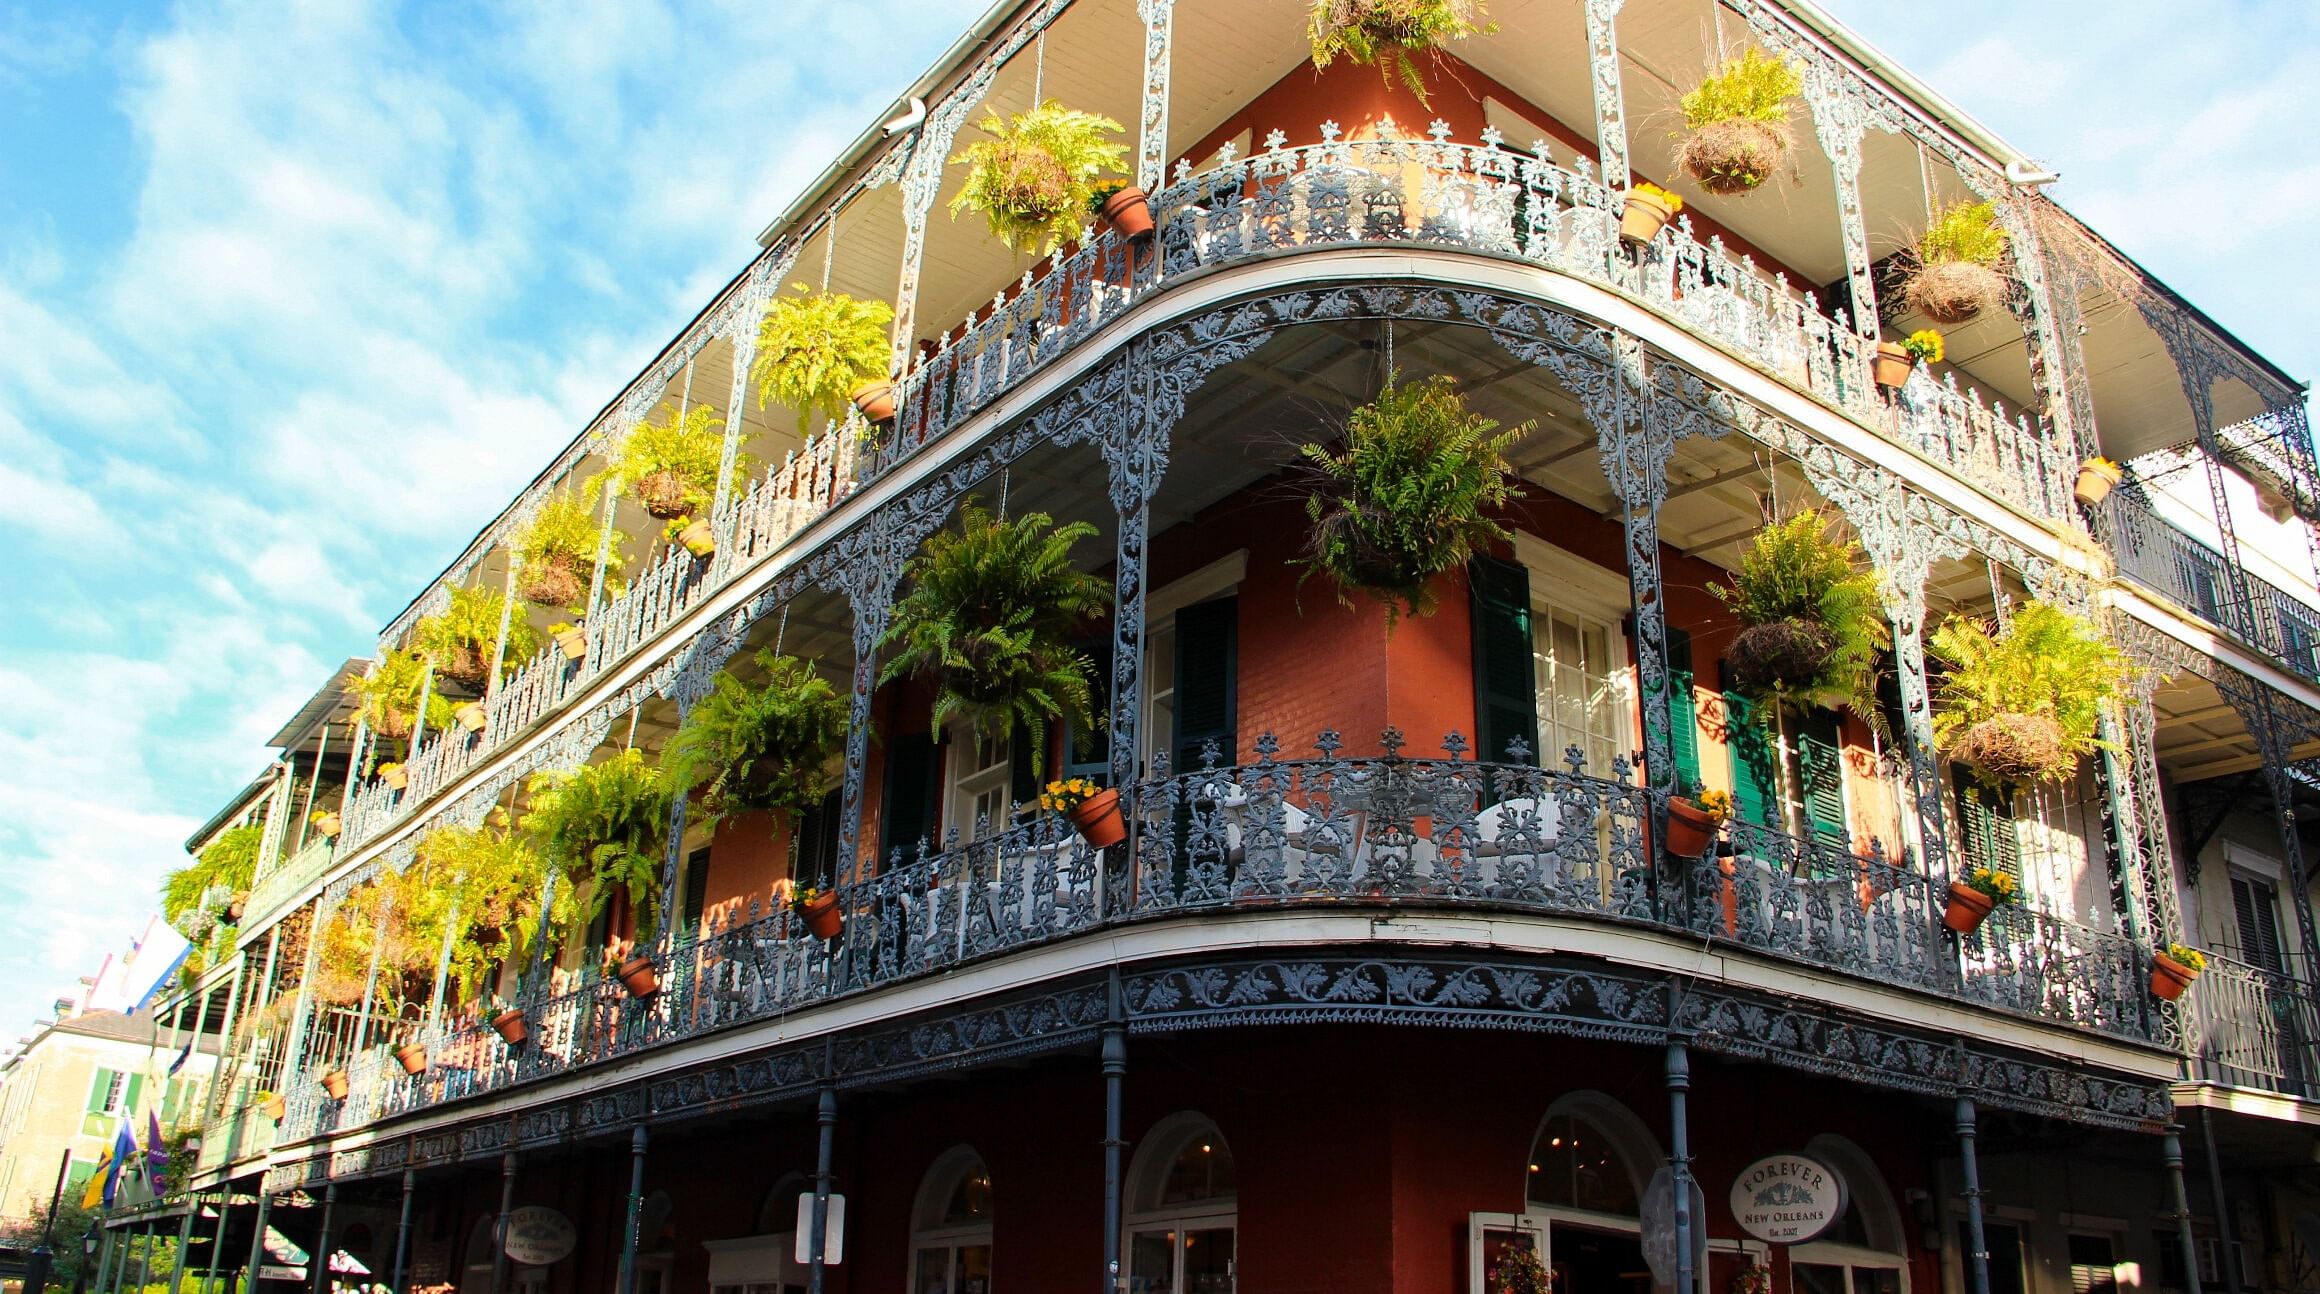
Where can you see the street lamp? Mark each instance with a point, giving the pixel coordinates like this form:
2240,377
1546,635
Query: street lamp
88,1260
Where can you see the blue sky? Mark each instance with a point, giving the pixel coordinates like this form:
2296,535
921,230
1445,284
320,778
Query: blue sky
294,295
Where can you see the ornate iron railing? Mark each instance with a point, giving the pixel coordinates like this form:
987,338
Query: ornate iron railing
1320,833
2192,573
2253,1027
274,891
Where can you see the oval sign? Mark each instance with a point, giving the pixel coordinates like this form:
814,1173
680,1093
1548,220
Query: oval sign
1787,1199
538,1235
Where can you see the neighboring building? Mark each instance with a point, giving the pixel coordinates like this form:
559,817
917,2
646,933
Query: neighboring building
73,1085
1393,970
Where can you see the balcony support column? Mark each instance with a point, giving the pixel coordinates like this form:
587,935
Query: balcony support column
184,1242
2126,824
1977,1255
104,1277
1635,448
2050,318
258,1237
1115,1056
636,1146
1135,449
872,598
1679,1087
399,1274
1610,103
672,866
609,507
2231,1272
826,1122
2253,700
499,1231
1152,127
323,1243
217,1240
2171,1155
1842,113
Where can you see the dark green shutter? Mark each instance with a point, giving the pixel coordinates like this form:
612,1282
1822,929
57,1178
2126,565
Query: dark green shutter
1986,820
912,795
1683,723
1087,751
100,1087
696,888
1820,763
2256,911
1022,777
817,847
1755,761
129,1095
1506,707
1207,663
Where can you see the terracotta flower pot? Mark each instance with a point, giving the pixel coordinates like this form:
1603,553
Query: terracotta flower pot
823,918
1098,819
412,1056
1690,828
1130,212
1967,908
273,1106
2169,977
334,1083
328,824
510,1026
573,642
1892,366
875,399
699,538
471,715
1645,216
2096,477
237,905
640,977
394,776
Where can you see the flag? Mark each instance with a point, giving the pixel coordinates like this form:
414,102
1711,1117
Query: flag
184,1055
124,1149
156,1154
94,1196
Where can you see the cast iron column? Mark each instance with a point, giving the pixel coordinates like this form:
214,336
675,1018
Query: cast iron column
1115,1072
322,1244
2171,1154
826,1116
184,1242
1679,1085
636,1142
2231,1272
258,1235
217,1242
401,1270
1977,1262
499,1234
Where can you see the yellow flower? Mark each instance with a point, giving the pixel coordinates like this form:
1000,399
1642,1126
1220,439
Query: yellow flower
1673,201
1925,344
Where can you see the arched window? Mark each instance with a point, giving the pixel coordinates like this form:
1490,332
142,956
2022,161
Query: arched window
1865,1250
950,1239
475,1264
1183,1210
1589,1164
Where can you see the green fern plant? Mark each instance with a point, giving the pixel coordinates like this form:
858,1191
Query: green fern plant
1956,276
1406,494
1964,231
1389,34
393,923
228,864
389,697
604,828
556,554
1738,117
2023,704
669,465
459,639
1032,178
487,881
1812,623
763,747
814,349
990,614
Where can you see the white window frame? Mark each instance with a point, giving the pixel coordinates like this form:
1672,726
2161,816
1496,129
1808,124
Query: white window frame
1220,578
934,1192
1585,589
1156,1155
965,782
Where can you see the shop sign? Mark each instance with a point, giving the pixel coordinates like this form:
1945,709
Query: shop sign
1787,1199
538,1235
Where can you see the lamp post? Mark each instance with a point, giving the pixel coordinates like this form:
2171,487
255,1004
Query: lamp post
88,1260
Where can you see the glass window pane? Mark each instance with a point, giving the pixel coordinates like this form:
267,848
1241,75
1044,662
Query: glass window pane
1152,1263
1203,1171
933,1271
1208,1261
1576,1166
1816,1278
974,1269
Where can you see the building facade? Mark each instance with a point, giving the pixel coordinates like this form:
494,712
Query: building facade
1394,971
66,1095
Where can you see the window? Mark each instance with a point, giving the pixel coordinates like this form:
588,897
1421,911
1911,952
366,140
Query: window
1191,684
1986,822
1864,1250
112,1093
764,1262
1183,1210
696,891
1589,1163
951,1236
1582,688
907,808
1788,771
2255,909
816,859
2094,1264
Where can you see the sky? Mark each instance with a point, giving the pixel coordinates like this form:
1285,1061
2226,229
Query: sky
295,295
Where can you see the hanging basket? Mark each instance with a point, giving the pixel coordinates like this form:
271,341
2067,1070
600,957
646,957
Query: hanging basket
640,977
552,581
1967,908
1954,292
334,1083
573,642
2169,977
2097,477
1729,158
1780,655
2015,748
875,398
1645,216
822,916
1098,820
1892,366
412,1056
1689,829
238,904
471,715
392,724
463,665
663,495
509,1024
1129,212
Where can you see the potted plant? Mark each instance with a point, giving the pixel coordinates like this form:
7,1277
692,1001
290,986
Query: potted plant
471,715
2097,477
1519,1271
604,827
484,881
1094,811
325,822
822,350
507,1020
1694,820
1895,360
570,639
2173,970
1649,208
460,639
990,615
697,536
1956,277
556,553
1738,118
412,1056
1974,895
2022,704
1390,34
1033,177
389,696
766,746
394,776
1123,206
818,908
670,466
1812,623
1406,495
334,1083
192,895
236,905
636,973
272,1105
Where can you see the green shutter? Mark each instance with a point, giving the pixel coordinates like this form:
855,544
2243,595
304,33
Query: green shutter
1684,722
77,1177
1755,762
1087,752
100,1087
1820,760
817,850
696,896
1505,675
1986,820
1022,776
908,808
1207,665
129,1096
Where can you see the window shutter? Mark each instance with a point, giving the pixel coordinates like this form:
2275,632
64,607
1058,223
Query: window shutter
129,1096
1821,776
912,793
101,1091
696,887
1022,782
1684,724
1207,663
1505,675
817,849
2256,910
1986,818
1087,752
1755,762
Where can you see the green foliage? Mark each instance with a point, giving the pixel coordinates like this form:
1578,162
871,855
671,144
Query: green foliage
1407,493
1390,33
670,464
393,918
604,828
1033,177
991,613
558,546
1753,87
1966,232
764,747
459,639
814,349
67,1265
2045,663
487,880
390,696
226,865
1799,571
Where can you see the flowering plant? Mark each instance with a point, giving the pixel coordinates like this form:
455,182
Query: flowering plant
1994,885
2189,958
1925,344
802,897
1674,202
1755,1278
1519,1271
1068,794
1716,804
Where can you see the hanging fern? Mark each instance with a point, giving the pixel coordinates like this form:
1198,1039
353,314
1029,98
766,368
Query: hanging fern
814,349
1390,33
2023,704
1812,621
487,880
556,554
459,640
604,828
1033,178
227,865
1407,494
392,922
390,696
1738,116
764,747
991,612
669,466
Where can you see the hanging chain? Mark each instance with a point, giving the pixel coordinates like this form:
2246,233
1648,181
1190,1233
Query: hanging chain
1039,70
829,251
781,631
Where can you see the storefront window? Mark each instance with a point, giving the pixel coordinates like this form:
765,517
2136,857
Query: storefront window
951,1243
1184,1211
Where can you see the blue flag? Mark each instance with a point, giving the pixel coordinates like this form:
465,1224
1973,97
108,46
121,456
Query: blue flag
124,1147
156,1154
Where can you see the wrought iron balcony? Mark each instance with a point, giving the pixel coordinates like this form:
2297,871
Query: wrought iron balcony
1317,835
273,892
2193,574
2253,1027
